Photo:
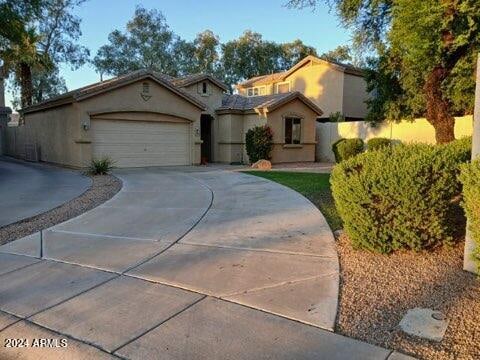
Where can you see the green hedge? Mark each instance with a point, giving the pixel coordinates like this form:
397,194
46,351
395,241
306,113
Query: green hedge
345,149
378,143
259,143
470,178
399,197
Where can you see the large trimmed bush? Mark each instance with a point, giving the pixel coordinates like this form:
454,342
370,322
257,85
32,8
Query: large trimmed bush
470,178
259,143
344,149
378,143
400,197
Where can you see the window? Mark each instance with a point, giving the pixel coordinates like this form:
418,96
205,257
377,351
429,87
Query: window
282,88
146,87
256,91
293,130
204,88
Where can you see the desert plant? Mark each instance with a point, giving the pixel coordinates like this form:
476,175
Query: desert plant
100,166
259,143
401,196
378,143
344,149
470,178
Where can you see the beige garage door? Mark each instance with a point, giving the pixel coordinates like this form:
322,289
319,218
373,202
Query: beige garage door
141,143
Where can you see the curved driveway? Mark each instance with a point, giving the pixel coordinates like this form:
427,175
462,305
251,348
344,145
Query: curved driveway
29,189
183,263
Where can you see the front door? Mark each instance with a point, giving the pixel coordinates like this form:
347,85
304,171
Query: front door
206,136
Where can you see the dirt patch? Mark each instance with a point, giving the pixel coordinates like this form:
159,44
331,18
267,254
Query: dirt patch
377,290
103,188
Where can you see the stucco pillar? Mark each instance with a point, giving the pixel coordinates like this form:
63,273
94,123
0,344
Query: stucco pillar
468,263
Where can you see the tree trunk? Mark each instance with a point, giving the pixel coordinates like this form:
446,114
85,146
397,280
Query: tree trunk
26,86
438,108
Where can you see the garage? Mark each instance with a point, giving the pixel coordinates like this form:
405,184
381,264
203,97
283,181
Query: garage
141,143
139,119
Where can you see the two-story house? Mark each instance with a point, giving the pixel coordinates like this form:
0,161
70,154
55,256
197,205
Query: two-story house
331,86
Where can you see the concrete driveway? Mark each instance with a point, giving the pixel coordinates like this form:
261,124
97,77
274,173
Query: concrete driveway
183,263
29,189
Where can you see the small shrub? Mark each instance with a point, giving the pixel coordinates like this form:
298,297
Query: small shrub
401,196
378,143
470,178
344,149
259,143
100,166
336,117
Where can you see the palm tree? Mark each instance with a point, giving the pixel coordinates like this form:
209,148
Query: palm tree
21,58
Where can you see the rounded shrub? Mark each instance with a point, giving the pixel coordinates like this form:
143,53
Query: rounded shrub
259,143
344,149
470,178
378,143
399,197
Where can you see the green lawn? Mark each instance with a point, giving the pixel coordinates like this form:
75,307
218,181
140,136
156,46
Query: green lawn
314,186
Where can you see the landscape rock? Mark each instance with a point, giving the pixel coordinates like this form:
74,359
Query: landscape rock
424,323
262,165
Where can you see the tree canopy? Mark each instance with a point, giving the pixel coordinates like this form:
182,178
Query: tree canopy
424,61
148,42
39,37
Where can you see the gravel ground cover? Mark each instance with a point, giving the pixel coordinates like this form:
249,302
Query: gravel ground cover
103,188
377,290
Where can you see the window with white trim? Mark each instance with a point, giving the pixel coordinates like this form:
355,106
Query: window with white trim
282,88
293,130
256,91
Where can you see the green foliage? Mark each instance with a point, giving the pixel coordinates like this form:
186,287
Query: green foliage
250,55
336,117
346,148
400,197
378,143
259,143
425,56
45,35
100,166
470,178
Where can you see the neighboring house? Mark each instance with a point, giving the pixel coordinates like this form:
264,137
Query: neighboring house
333,87
149,119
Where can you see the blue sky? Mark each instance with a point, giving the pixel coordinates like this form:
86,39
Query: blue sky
226,18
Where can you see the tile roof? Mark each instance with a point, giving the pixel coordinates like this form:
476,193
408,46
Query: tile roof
279,76
99,87
195,78
237,102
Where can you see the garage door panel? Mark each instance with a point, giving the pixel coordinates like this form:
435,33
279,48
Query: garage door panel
139,143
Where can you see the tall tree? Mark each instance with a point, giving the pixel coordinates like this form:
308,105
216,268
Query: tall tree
427,46
206,53
341,54
295,51
48,39
147,42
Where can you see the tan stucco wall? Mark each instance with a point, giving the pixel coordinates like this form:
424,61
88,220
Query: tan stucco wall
233,128
320,83
59,131
354,96
53,132
212,101
293,153
418,131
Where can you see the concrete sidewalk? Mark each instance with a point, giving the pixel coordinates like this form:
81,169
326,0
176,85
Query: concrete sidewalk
182,263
